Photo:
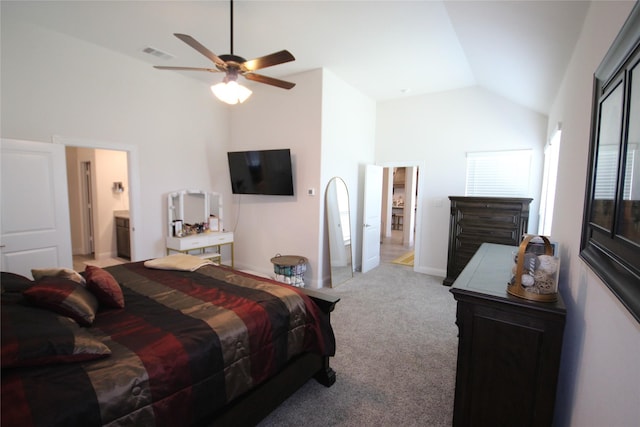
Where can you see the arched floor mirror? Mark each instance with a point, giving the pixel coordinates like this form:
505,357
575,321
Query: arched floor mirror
339,229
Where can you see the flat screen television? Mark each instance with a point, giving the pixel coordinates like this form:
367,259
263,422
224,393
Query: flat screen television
261,172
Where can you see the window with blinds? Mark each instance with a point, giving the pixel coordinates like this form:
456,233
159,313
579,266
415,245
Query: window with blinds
605,185
498,173
549,179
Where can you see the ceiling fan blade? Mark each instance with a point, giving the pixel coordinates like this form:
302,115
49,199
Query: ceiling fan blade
269,80
211,70
200,48
268,61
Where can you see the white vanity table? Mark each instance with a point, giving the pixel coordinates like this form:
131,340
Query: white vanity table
192,207
205,245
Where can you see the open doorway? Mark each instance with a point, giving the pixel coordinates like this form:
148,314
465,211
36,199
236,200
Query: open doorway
399,214
98,186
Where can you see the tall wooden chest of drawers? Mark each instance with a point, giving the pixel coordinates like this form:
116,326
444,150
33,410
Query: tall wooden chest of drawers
478,220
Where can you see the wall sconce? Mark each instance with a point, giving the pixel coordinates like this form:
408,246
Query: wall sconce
117,187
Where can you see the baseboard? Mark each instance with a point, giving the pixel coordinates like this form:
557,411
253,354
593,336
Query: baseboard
255,273
438,272
255,270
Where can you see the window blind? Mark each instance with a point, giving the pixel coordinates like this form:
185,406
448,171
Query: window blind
498,173
605,185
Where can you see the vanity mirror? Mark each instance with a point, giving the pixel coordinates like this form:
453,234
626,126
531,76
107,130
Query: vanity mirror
192,228
193,207
339,229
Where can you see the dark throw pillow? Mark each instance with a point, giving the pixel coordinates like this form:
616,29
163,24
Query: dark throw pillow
64,296
104,286
33,337
63,273
12,282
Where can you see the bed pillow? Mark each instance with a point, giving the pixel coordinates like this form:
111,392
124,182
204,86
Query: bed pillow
180,262
65,273
12,282
33,337
64,296
104,286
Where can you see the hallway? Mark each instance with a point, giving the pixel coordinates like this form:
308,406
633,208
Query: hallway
80,261
392,247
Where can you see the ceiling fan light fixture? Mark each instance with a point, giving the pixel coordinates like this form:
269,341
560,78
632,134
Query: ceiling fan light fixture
231,92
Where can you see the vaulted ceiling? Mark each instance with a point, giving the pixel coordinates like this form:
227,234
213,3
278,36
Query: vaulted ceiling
386,49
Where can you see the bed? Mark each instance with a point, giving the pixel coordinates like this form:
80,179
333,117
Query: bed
132,345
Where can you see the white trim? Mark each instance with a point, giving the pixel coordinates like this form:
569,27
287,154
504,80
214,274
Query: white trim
438,272
134,179
419,200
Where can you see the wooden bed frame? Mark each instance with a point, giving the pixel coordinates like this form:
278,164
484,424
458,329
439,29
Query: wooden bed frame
250,408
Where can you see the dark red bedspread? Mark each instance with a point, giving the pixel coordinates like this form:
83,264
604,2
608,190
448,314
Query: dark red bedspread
185,344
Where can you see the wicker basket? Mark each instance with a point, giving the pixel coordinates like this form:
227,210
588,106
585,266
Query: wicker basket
290,268
535,275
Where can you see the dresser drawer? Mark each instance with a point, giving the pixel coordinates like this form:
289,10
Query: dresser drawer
481,234
491,204
198,241
187,243
220,238
503,219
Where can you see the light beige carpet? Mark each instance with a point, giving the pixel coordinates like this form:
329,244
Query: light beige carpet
406,259
395,362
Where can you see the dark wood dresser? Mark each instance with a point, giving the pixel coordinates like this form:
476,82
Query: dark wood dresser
508,349
477,220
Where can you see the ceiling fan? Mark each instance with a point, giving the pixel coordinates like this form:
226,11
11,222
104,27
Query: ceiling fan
233,66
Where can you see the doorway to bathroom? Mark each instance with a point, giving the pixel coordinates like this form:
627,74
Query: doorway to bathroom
98,184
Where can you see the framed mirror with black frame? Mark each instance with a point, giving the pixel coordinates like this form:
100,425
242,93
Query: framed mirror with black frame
610,242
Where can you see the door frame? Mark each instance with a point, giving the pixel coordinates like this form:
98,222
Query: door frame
420,165
86,197
134,179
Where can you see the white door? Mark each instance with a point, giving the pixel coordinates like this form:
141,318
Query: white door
372,221
34,227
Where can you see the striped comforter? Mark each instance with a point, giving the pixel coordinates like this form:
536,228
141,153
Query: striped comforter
185,345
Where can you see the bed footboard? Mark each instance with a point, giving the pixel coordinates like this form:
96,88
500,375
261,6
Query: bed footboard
326,375
250,409
325,301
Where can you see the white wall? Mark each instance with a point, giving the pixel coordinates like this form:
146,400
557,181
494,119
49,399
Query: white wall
348,143
267,225
600,375
53,84
328,126
181,133
438,130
